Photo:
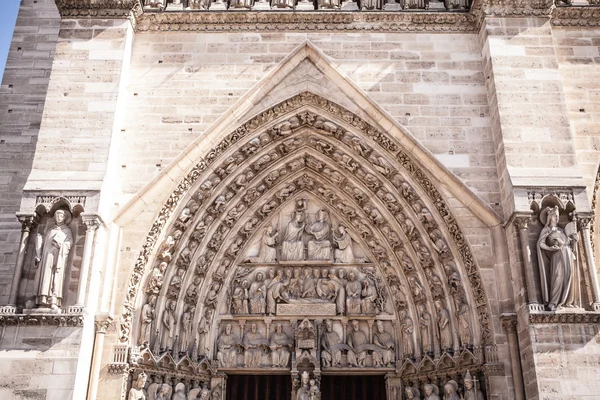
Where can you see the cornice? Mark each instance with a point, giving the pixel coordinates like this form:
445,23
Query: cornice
584,16
60,320
564,318
98,8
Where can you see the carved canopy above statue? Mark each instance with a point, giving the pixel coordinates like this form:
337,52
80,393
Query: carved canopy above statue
306,211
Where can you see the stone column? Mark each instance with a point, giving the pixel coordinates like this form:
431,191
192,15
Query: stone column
92,222
583,224
101,326
509,322
27,222
533,303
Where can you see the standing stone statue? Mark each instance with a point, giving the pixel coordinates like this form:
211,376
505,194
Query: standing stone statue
279,345
227,348
356,341
203,331
258,292
137,391
148,315
353,292
303,392
451,391
426,326
168,321
343,241
292,248
339,284
412,393
52,256
331,354
431,392
320,247
385,341
187,329
268,251
164,392
369,295
253,343
471,391
407,327
443,320
179,392
556,260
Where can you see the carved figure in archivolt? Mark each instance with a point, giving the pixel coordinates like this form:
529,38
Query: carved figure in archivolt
431,392
203,331
292,248
384,340
556,259
156,279
187,330
51,259
227,347
280,347
426,328
331,353
471,391
357,340
319,248
407,328
147,317
137,391
258,291
253,344
445,329
169,322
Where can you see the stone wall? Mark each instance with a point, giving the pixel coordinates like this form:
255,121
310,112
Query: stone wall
22,99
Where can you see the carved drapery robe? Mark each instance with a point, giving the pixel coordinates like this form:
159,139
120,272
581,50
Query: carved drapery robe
148,314
555,260
320,247
357,356
331,353
369,295
268,252
425,324
169,321
227,346
443,319
258,291
292,248
53,261
344,253
353,291
253,342
385,341
408,346
280,353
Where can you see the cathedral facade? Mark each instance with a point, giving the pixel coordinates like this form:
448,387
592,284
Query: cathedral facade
224,200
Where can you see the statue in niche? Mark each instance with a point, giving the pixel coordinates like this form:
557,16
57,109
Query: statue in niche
296,284
471,391
412,393
148,315
357,354
314,392
556,259
385,341
309,283
407,328
203,331
51,259
369,296
277,292
353,293
344,253
227,348
137,391
426,327
258,291
303,392
431,392
331,353
279,345
156,279
443,321
339,284
175,284
462,317
169,322
320,247
253,344
179,392
292,248
187,329
268,251
451,391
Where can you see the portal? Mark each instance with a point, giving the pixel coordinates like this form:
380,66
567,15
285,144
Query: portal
259,387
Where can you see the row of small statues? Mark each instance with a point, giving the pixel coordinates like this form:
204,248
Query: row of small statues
305,285
357,347
302,4
450,391
159,390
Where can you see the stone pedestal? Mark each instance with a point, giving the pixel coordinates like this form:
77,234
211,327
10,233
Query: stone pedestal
261,5
305,6
349,6
174,7
392,6
218,6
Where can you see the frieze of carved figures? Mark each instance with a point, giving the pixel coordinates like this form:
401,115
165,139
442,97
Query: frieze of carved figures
371,132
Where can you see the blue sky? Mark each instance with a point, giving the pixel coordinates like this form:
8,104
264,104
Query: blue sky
8,16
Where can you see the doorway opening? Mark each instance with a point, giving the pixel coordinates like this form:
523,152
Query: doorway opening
353,387
259,387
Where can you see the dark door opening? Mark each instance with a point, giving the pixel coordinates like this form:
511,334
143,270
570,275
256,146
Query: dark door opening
259,387
353,387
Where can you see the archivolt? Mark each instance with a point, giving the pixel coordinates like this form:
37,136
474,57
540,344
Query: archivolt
369,180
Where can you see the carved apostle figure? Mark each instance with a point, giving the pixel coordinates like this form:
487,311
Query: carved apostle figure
279,345
227,348
253,343
331,353
169,322
407,328
471,391
353,292
385,341
343,241
443,321
137,391
356,340
203,330
451,391
52,256
320,247
292,248
431,392
309,283
148,315
258,292
369,295
556,260
268,251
